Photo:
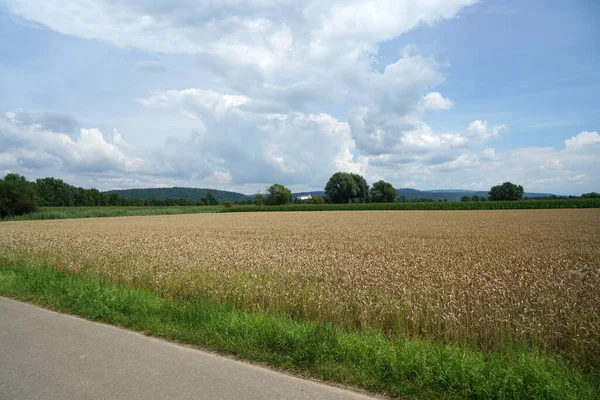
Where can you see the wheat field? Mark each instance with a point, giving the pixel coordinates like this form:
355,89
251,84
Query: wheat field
490,279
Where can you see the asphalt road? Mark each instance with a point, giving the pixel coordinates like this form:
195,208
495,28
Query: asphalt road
47,355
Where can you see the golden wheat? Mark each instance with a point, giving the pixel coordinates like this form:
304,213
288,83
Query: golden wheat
487,278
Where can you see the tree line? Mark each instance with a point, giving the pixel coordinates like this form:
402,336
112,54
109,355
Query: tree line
19,196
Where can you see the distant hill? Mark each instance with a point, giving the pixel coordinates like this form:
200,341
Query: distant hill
313,193
450,194
192,194
195,194
453,194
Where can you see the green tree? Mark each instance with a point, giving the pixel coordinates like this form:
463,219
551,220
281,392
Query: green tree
54,192
114,199
17,196
506,191
278,194
259,199
383,192
228,204
317,200
590,195
344,187
209,200
465,198
475,197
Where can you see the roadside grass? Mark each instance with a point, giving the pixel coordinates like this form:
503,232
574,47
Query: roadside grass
367,359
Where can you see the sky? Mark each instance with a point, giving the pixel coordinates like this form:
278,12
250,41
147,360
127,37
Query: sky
240,94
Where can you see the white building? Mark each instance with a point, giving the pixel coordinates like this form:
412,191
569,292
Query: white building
307,197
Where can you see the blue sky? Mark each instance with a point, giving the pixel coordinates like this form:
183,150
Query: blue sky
241,94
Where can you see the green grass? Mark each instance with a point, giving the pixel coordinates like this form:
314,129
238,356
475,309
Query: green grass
119,211
95,212
470,205
369,360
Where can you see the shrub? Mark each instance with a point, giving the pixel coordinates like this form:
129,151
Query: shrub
228,204
317,200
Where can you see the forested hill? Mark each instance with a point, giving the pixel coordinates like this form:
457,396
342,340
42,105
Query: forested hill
192,194
454,194
448,194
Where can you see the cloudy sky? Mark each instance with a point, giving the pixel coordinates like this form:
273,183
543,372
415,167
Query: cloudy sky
240,94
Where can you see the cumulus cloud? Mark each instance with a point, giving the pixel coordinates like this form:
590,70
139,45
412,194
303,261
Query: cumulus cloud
251,146
279,66
572,168
435,101
197,100
253,31
286,91
584,138
34,144
478,130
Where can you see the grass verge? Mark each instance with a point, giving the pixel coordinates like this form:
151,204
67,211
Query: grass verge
369,360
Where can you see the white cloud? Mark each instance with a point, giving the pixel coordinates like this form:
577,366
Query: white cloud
280,91
478,130
30,144
196,100
254,146
569,170
435,101
383,20
286,59
584,138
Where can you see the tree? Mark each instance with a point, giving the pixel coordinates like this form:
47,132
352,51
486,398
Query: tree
17,196
590,195
209,200
344,187
465,198
475,197
383,192
317,200
228,204
506,191
278,194
114,199
259,199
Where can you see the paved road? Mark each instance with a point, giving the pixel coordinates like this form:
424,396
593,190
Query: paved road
46,355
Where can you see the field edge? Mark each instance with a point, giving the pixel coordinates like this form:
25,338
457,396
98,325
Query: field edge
50,213
366,360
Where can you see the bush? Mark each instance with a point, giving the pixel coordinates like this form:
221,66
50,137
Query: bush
228,204
317,200
17,196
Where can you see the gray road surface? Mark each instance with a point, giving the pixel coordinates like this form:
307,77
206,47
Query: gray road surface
47,355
